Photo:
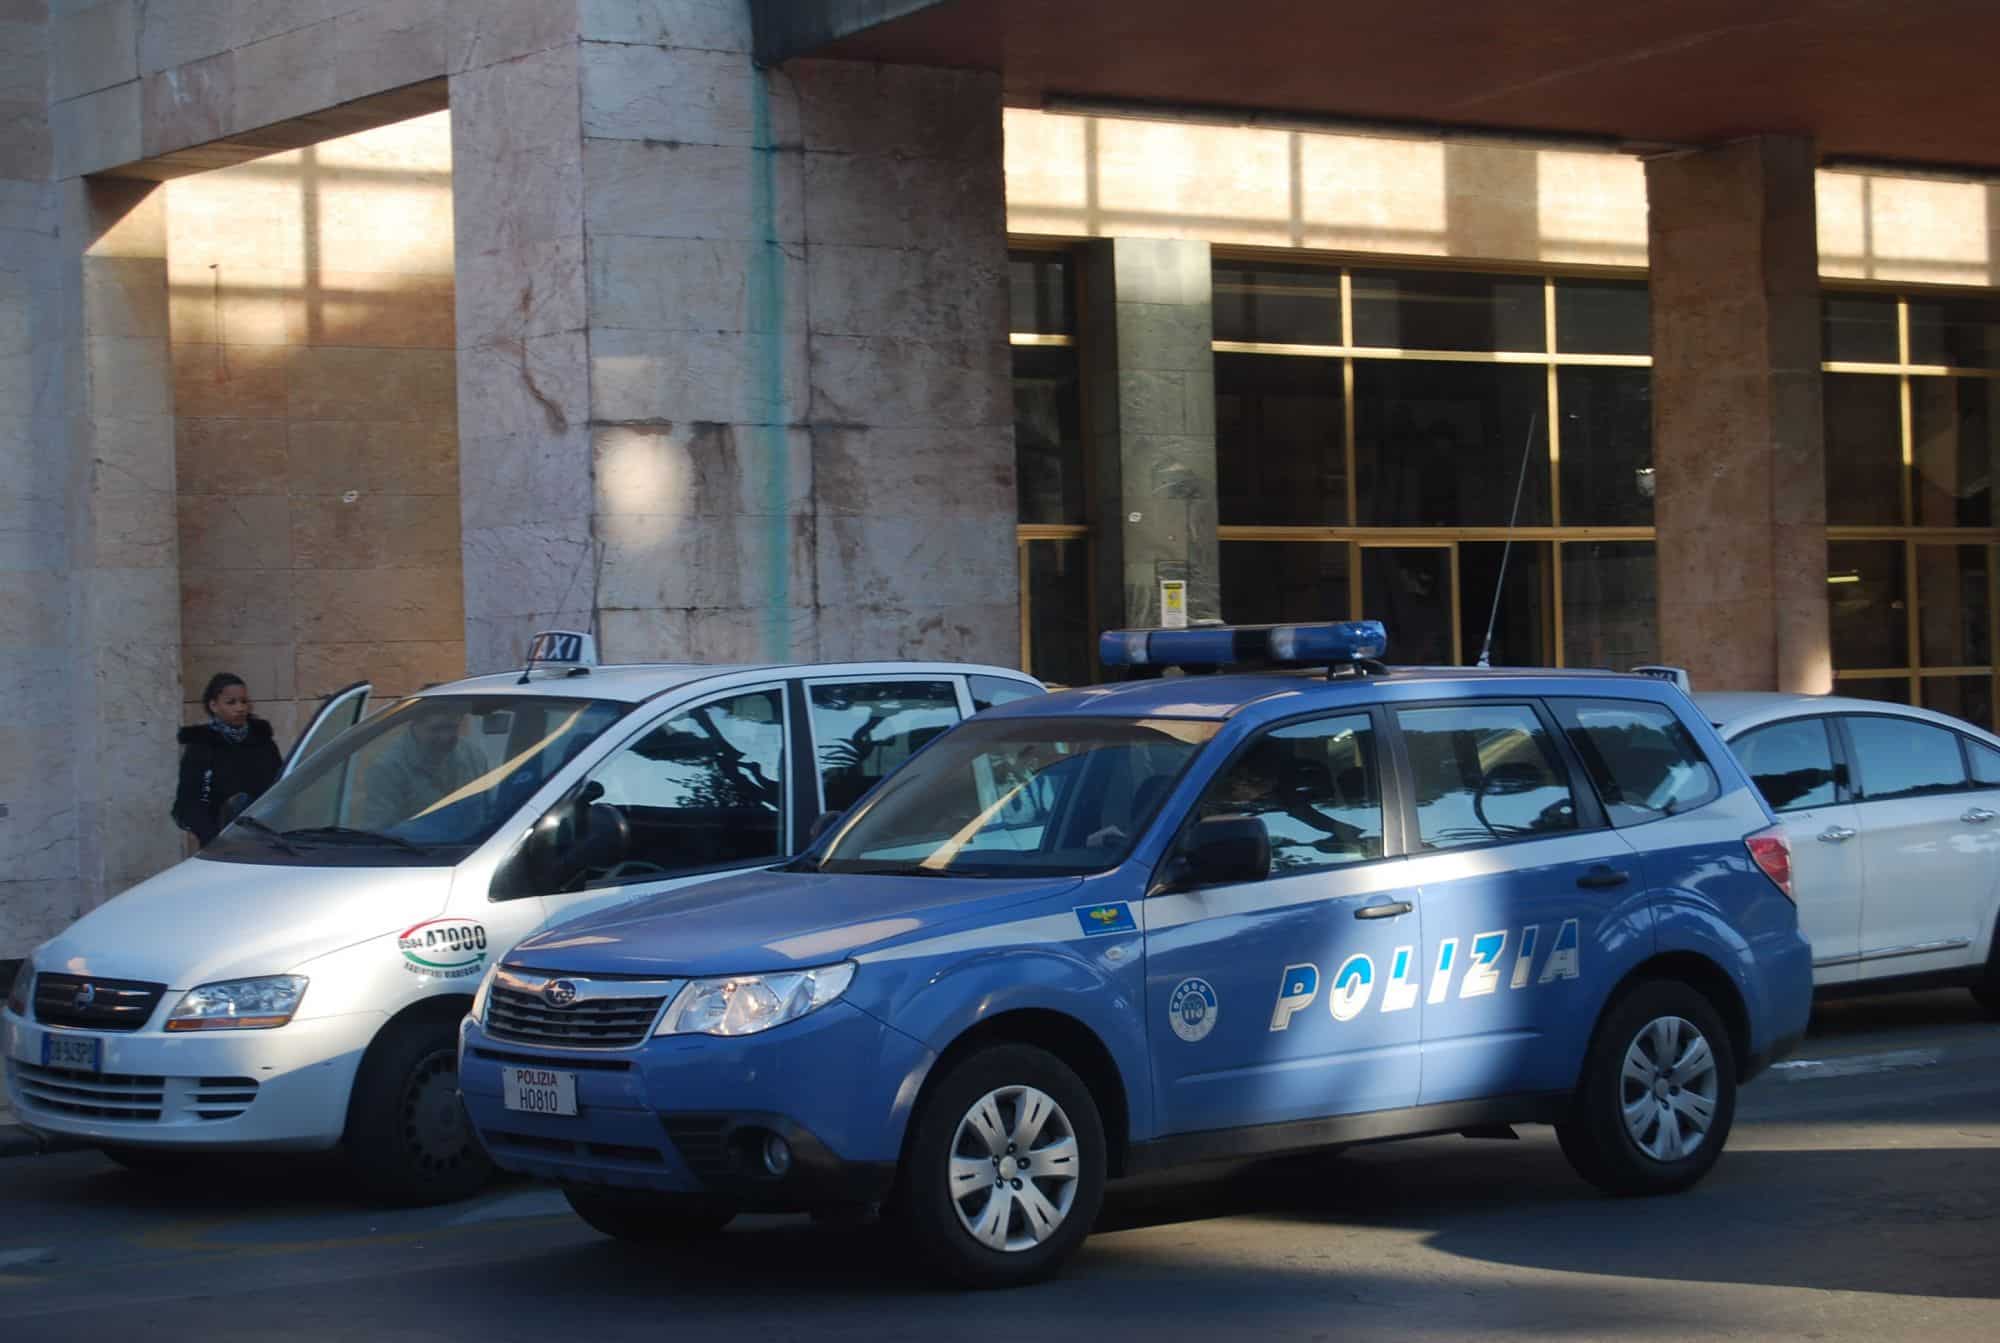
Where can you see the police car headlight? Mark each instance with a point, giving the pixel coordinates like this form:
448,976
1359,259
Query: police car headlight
239,1004
747,1004
482,993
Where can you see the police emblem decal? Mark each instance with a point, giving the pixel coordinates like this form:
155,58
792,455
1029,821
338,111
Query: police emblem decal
1192,1010
559,993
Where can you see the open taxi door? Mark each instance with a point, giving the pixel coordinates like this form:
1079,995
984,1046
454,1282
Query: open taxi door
340,711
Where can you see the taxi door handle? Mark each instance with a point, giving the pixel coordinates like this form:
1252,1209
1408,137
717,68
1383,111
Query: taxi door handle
1388,911
1978,816
1602,879
1838,834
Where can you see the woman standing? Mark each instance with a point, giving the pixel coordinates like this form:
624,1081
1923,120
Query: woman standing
226,763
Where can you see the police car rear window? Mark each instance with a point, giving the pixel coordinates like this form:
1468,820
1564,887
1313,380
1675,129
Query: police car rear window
1642,760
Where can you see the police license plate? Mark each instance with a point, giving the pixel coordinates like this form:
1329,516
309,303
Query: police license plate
538,1091
78,1053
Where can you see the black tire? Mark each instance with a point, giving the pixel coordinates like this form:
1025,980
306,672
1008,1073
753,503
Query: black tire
1596,1137
408,1141
646,1219
924,1205
1987,991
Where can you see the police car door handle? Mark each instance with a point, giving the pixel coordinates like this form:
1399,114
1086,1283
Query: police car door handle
1388,911
1978,816
1602,879
1837,834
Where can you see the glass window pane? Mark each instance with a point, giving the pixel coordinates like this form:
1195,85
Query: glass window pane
1445,310
1607,446
1609,615
1441,444
1522,636
1603,317
1281,305
1644,762
1408,588
1278,456
1864,449
1316,788
1897,757
1791,763
1048,435
1955,448
988,691
864,729
1964,332
1954,623
1985,762
1859,329
1038,290
704,789
1271,582
1886,689
1059,633
1966,697
1484,773
1867,604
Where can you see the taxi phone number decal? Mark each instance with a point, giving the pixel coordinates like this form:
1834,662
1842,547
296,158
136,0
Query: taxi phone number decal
444,948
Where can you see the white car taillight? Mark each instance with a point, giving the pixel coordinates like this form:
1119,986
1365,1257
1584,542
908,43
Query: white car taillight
1773,855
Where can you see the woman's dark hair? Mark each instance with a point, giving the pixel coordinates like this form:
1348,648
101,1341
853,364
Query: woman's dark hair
218,683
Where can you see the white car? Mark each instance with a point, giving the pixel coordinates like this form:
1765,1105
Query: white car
1893,815
299,984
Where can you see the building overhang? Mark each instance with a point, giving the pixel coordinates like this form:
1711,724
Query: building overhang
1909,82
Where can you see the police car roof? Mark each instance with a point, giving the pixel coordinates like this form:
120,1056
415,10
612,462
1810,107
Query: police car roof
631,682
1226,694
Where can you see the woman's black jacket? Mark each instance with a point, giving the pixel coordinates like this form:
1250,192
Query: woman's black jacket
215,769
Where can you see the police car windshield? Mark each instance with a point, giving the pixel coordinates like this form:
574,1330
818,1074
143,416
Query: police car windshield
423,781
1020,796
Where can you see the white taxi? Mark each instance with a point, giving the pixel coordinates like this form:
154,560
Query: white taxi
1893,814
298,985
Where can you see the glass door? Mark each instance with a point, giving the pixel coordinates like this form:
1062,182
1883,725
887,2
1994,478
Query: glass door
1413,588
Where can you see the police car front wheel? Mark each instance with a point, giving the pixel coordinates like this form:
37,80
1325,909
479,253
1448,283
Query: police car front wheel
1658,1093
1005,1171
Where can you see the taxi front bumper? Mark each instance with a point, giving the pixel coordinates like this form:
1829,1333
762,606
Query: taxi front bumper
283,1089
691,1114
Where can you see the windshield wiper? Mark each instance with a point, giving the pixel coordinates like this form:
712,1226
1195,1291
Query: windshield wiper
361,836
267,832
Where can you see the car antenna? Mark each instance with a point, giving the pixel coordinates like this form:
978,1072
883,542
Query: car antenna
1506,553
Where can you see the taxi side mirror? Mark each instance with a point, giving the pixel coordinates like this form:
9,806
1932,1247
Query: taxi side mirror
1225,850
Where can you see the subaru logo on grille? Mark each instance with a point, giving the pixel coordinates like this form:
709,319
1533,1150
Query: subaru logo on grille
86,994
559,993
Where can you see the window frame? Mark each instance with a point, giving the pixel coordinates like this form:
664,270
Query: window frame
807,684
1589,812
1563,707
1857,771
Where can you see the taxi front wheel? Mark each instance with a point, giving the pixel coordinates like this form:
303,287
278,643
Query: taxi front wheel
1005,1168
408,1141
1658,1093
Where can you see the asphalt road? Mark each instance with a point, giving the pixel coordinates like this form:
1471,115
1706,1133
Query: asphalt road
1859,1198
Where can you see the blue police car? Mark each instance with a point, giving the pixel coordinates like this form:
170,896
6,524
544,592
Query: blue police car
1134,926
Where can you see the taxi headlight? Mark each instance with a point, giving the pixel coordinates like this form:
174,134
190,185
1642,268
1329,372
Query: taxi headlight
747,1004
239,1004
17,993
484,991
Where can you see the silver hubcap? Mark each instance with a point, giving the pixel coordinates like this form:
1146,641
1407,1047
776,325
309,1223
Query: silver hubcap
1668,1088
1014,1165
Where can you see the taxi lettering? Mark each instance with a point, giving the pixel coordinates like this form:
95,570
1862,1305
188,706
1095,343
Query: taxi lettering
1354,983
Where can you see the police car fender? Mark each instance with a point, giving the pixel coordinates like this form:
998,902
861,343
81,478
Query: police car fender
1075,977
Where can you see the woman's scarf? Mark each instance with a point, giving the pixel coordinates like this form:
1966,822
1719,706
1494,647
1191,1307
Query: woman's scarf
235,736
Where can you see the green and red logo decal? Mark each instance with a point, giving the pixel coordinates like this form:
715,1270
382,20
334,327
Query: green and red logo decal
444,948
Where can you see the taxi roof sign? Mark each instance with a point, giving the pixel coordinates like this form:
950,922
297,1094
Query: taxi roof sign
1678,675
561,648
1330,642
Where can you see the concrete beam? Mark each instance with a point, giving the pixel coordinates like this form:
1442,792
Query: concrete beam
788,28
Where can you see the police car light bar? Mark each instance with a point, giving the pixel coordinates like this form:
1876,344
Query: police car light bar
1221,645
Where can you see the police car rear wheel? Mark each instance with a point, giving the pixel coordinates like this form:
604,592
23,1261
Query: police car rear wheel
1658,1094
1005,1171
408,1140
646,1219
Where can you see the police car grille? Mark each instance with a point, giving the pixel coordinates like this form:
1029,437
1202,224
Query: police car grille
113,1004
599,1023
114,1096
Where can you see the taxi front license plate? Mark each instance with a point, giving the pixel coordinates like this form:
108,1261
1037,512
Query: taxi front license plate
538,1091
78,1053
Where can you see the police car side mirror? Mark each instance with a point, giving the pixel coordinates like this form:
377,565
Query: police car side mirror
1224,850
